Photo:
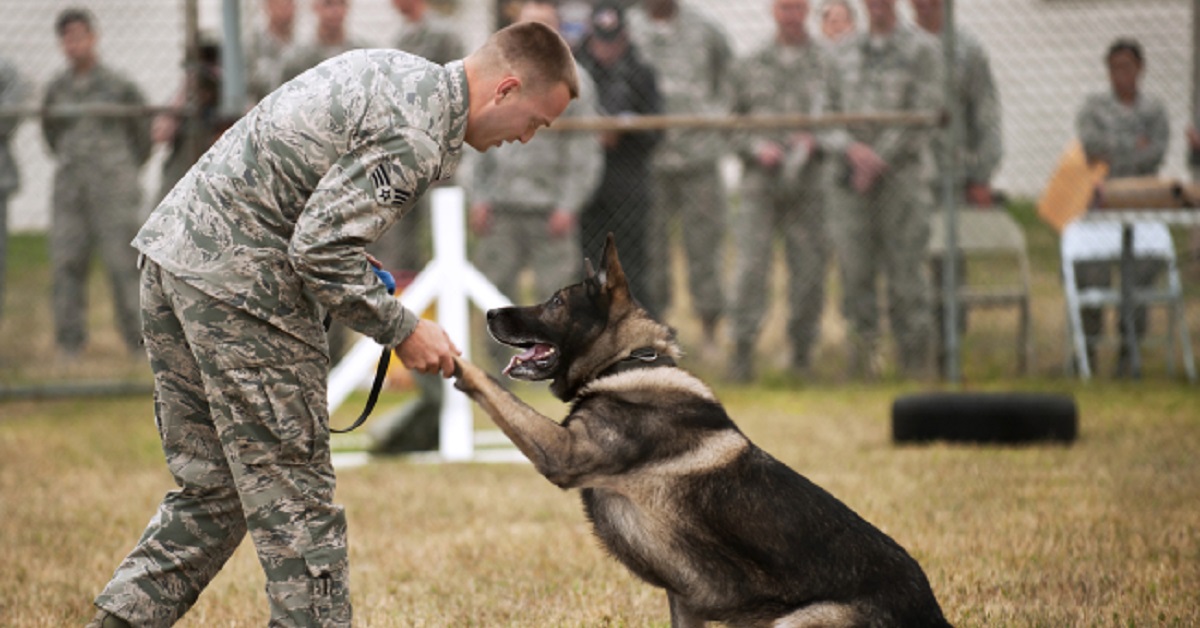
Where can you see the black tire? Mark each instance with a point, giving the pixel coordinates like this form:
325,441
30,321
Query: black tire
984,418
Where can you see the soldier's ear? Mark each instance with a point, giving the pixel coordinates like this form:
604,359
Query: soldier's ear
509,86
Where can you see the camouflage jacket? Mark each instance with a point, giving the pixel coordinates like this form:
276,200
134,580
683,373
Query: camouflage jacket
691,58
901,72
982,145
264,64
1133,140
12,93
553,170
776,80
297,59
434,38
88,140
275,217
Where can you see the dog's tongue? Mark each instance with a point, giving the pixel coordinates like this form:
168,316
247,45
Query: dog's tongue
532,353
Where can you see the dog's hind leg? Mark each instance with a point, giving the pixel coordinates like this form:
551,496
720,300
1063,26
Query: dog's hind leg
681,616
821,615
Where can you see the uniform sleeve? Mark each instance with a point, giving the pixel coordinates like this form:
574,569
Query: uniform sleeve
12,93
984,142
1093,131
356,202
1149,157
51,126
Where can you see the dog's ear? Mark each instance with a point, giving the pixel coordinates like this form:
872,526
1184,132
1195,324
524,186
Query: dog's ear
587,266
613,276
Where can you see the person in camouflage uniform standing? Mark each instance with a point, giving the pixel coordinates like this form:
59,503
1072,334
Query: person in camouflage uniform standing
880,203
981,148
526,198
268,47
12,93
96,187
782,188
241,260
691,58
1129,130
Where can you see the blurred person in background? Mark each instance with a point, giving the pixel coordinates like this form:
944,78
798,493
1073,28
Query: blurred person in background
978,153
262,237
625,86
837,22
331,39
782,189
187,137
691,58
1127,129
96,188
526,198
880,203
12,94
268,47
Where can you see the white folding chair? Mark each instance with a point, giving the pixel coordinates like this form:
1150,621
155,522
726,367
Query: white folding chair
1096,241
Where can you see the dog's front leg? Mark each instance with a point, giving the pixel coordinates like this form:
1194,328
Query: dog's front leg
546,443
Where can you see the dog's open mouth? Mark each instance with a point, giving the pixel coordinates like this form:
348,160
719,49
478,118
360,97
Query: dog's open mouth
535,362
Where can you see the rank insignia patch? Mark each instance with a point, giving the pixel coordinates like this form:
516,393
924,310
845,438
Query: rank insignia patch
385,194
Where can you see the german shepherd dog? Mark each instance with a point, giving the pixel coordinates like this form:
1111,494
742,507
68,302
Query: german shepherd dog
672,487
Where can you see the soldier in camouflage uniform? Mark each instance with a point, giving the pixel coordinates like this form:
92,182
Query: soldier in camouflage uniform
981,148
12,93
782,191
265,233
96,188
880,203
268,47
1129,130
526,198
691,58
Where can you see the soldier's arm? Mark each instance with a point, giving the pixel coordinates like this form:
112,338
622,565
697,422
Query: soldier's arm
582,162
353,205
1149,156
1093,132
51,127
138,127
984,142
12,93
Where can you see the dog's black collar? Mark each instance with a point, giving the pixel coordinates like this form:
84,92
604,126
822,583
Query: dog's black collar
644,358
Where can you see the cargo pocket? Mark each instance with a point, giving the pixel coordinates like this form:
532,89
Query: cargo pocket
277,413
328,586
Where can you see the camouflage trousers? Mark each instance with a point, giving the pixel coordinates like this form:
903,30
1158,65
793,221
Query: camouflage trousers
772,210
696,199
885,234
94,210
242,413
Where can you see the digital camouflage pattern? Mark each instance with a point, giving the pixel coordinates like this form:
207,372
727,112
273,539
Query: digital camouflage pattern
242,414
886,230
784,201
982,144
266,231
1132,140
12,93
96,198
303,182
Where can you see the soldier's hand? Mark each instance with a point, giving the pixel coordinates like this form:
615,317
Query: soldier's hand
865,166
428,350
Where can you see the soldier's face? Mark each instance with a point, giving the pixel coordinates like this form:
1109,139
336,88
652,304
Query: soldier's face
78,43
515,114
836,21
1124,69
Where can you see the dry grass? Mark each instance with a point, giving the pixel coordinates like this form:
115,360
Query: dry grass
1100,533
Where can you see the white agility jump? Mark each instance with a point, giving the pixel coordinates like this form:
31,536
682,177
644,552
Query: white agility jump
450,280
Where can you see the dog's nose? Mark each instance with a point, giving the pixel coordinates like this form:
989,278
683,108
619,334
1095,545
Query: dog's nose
492,314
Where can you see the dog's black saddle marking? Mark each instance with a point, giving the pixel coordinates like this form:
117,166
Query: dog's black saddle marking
644,358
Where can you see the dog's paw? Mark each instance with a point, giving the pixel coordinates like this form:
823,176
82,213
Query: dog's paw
467,376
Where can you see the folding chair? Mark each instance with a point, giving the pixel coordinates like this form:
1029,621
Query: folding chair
990,234
1096,241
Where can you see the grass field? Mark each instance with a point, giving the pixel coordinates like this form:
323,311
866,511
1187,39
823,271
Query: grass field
1100,533
1105,532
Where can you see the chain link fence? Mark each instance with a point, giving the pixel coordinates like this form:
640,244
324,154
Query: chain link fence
1047,57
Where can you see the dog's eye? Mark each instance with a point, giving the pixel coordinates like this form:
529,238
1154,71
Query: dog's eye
556,300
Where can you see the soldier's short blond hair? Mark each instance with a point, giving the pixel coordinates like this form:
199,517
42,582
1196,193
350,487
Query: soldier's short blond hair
535,53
